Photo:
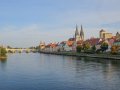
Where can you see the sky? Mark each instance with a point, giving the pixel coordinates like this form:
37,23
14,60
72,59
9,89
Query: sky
24,23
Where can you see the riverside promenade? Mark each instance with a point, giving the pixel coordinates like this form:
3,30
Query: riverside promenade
101,56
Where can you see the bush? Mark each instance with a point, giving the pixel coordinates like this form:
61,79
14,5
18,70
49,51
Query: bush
93,49
86,46
79,49
2,51
104,46
114,50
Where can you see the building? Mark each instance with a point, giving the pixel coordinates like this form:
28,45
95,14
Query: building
61,46
118,36
42,45
68,46
105,35
79,35
52,47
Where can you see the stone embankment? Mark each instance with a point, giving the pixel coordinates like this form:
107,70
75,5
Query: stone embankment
101,56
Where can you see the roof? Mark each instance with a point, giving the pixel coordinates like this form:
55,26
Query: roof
63,42
79,42
102,30
69,43
111,41
93,41
53,45
71,39
117,33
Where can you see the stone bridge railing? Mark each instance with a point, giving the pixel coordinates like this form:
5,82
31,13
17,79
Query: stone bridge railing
27,50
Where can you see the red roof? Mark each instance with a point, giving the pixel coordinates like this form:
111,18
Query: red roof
93,41
79,42
71,39
53,45
69,43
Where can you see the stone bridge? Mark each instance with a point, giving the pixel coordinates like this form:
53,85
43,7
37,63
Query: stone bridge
20,50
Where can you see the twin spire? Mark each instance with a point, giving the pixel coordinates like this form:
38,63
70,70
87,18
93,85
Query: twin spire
79,35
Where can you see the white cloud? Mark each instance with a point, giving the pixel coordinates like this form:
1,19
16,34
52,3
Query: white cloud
32,35
63,25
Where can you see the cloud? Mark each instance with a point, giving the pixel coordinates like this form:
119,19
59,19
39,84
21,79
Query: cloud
32,35
56,21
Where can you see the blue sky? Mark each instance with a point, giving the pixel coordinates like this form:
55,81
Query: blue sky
25,23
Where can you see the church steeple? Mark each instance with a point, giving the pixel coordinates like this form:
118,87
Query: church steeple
76,31
81,33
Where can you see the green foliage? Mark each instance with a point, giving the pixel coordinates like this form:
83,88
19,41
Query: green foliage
79,49
2,51
93,48
104,46
114,49
86,46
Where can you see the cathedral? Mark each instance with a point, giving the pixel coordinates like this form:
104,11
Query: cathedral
79,35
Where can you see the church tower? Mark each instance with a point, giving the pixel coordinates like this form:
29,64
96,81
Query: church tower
77,35
81,33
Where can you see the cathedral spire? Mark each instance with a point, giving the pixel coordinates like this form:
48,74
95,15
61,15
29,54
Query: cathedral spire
81,33
76,31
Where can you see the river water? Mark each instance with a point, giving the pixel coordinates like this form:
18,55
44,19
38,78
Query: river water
34,71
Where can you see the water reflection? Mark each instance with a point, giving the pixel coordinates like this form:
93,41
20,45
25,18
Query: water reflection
3,63
53,72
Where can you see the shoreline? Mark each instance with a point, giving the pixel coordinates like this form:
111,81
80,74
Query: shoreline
101,56
3,57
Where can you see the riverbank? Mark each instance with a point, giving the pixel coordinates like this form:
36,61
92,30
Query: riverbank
3,57
102,56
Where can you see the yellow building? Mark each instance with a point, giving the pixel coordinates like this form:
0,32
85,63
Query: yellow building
105,35
42,45
118,36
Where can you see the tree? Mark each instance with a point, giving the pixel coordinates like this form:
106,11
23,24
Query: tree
114,49
79,49
93,48
86,46
104,46
2,51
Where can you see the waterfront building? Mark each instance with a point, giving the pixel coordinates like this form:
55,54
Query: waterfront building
68,46
117,43
42,45
93,41
61,46
52,47
105,35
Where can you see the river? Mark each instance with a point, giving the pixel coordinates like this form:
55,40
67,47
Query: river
35,71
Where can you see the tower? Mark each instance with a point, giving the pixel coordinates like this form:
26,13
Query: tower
77,35
117,36
81,33
105,35
102,32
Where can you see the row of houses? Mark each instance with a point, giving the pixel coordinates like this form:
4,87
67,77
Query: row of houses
56,47
71,44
